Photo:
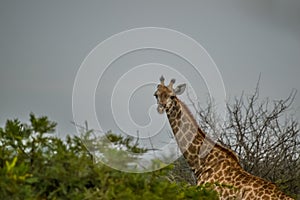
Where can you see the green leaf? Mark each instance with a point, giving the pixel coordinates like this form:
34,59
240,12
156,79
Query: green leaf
32,180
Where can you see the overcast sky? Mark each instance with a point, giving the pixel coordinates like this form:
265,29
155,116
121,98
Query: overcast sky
43,44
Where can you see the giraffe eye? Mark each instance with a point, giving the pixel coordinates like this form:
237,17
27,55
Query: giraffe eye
172,97
155,95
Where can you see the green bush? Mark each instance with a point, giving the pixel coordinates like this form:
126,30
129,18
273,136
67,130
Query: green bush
34,164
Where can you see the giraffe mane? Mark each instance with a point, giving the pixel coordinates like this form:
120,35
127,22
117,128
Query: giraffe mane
219,146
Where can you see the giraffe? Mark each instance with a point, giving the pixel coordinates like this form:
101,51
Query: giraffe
209,161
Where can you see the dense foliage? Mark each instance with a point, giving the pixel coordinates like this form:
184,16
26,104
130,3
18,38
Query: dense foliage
34,164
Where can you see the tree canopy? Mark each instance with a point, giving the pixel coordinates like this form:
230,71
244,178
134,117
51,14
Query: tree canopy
34,164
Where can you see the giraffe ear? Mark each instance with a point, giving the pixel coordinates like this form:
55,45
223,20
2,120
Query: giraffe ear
180,89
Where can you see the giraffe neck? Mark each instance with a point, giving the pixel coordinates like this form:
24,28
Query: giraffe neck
201,153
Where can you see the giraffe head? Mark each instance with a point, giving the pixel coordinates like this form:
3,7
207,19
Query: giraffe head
166,94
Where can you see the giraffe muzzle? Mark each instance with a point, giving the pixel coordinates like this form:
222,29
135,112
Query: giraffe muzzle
160,109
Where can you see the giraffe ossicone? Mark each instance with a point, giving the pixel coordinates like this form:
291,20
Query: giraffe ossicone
210,162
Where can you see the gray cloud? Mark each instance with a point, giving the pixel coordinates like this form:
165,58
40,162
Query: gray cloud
42,45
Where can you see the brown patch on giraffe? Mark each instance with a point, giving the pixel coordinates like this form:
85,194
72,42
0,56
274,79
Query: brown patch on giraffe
178,116
217,168
172,122
256,185
265,197
228,179
173,115
179,123
260,193
192,156
193,150
175,129
238,179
